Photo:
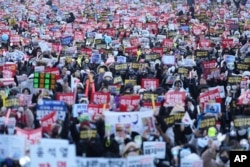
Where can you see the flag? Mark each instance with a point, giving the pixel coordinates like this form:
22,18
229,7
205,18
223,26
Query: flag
186,119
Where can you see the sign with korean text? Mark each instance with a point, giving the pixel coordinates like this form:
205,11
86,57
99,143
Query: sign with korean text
68,98
155,148
150,83
31,135
45,107
175,98
100,98
128,103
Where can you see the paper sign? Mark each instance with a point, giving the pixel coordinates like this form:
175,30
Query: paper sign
156,149
45,107
32,136
142,160
68,98
175,98
12,147
52,154
79,109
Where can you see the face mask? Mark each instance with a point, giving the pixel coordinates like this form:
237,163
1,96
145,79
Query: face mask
115,53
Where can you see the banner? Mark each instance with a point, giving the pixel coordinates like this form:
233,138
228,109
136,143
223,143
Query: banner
100,162
175,98
133,118
52,152
129,103
154,148
45,107
12,147
68,98
142,160
32,136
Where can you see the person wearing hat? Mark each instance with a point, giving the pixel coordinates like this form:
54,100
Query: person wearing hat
131,149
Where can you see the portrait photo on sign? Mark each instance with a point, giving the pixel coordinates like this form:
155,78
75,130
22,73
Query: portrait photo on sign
213,108
122,129
148,124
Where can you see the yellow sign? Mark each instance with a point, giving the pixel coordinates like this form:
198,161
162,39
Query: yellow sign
88,134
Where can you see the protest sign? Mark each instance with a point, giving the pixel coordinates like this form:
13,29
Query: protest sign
129,102
213,108
12,147
207,122
79,109
44,80
241,121
32,136
133,118
150,84
68,98
100,162
48,121
175,98
100,98
155,148
52,154
142,160
44,107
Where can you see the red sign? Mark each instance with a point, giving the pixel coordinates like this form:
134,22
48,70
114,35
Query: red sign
48,121
158,50
33,136
68,98
55,71
87,51
100,98
150,83
131,50
95,109
227,43
212,95
175,98
129,103
168,43
78,36
244,98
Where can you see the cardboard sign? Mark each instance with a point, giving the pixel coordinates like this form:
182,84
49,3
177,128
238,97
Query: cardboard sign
68,98
150,84
129,103
175,98
100,98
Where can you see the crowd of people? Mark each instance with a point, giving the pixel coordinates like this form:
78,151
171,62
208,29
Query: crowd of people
111,76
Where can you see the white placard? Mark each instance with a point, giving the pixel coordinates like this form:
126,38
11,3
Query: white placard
142,160
155,148
49,153
12,147
133,118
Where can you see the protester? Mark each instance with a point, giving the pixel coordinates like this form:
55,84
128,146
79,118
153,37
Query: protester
163,84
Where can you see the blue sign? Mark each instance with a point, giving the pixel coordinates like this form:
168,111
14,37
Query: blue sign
184,28
54,29
229,58
96,58
66,40
46,107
